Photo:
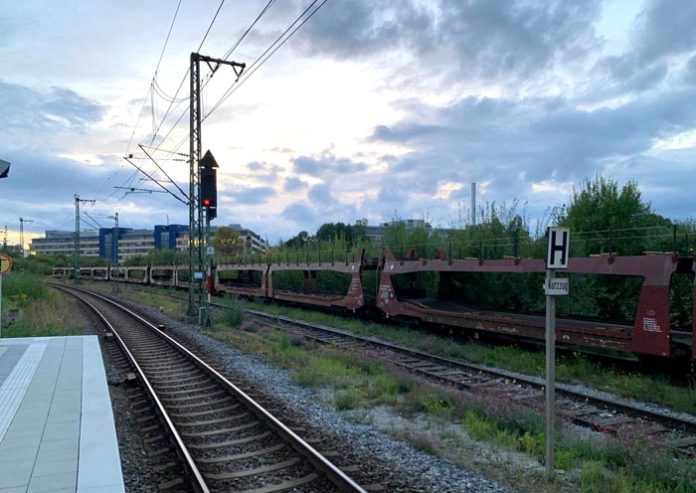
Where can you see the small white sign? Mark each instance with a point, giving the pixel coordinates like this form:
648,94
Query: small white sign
198,276
557,286
211,250
558,248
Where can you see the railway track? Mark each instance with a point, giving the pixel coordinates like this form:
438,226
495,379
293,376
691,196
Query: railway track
594,410
591,409
226,440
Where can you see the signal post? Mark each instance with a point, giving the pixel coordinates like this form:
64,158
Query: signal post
200,177
556,258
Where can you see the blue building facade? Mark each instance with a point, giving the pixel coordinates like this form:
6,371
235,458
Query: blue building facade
138,241
166,235
108,242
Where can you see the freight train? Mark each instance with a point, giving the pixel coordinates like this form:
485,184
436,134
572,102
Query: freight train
389,285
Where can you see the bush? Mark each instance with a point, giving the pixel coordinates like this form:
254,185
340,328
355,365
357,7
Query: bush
233,314
23,287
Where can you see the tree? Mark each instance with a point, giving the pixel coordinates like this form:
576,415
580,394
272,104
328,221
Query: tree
602,218
167,257
227,242
298,241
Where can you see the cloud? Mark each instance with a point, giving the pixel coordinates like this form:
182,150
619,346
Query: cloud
293,184
499,39
666,27
512,144
38,119
326,165
485,39
253,195
404,133
41,187
689,74
320,195
662,32
619,75
355,28
301,213
57,108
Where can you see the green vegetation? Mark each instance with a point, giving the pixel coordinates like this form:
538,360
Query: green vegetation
603,216
233,315
570,368
37,264
42,311
604,465
598,464
326,282
595,463
606,219
159,257
227,243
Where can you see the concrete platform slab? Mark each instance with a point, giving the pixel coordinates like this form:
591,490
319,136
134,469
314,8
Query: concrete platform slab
56,426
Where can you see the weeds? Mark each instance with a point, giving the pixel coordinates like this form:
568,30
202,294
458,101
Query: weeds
597,465
21,288
44,312
233,315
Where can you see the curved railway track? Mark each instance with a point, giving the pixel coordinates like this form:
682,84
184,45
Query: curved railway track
592,409
226,440
597,410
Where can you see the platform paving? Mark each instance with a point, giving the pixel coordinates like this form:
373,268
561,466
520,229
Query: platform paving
56,426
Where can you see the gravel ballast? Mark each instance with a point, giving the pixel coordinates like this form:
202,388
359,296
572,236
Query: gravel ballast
397,465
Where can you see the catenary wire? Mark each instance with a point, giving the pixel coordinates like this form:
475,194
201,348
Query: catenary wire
258,63
208,76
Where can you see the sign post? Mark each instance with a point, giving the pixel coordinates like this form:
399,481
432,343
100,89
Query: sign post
556,258
5,266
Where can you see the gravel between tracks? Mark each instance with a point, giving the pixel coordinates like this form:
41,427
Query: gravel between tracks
401,467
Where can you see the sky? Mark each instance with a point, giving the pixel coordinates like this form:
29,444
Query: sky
373,109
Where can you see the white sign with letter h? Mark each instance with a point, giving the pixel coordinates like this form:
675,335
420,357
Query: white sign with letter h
558,248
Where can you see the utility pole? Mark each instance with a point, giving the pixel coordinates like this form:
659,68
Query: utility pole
473,203
4,240
114,238
77,233
22,222
197,301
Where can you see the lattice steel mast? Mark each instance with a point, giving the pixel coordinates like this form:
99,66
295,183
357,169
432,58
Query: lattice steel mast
77,233
197,301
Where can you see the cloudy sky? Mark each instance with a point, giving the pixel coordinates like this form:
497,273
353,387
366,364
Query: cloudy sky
374,108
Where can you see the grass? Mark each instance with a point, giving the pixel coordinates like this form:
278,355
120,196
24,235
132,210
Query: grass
570,368
43,311
592,464
605,464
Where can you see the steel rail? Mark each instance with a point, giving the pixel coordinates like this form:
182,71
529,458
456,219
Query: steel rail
674,418
197,479
687,421
335,475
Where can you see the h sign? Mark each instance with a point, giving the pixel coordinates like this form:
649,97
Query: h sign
558,246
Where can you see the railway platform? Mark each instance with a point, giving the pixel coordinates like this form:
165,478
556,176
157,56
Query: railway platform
57,430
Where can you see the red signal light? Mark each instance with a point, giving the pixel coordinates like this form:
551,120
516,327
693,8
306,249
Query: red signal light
206,202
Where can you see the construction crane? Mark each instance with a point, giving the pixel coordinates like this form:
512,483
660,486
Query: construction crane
22,222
